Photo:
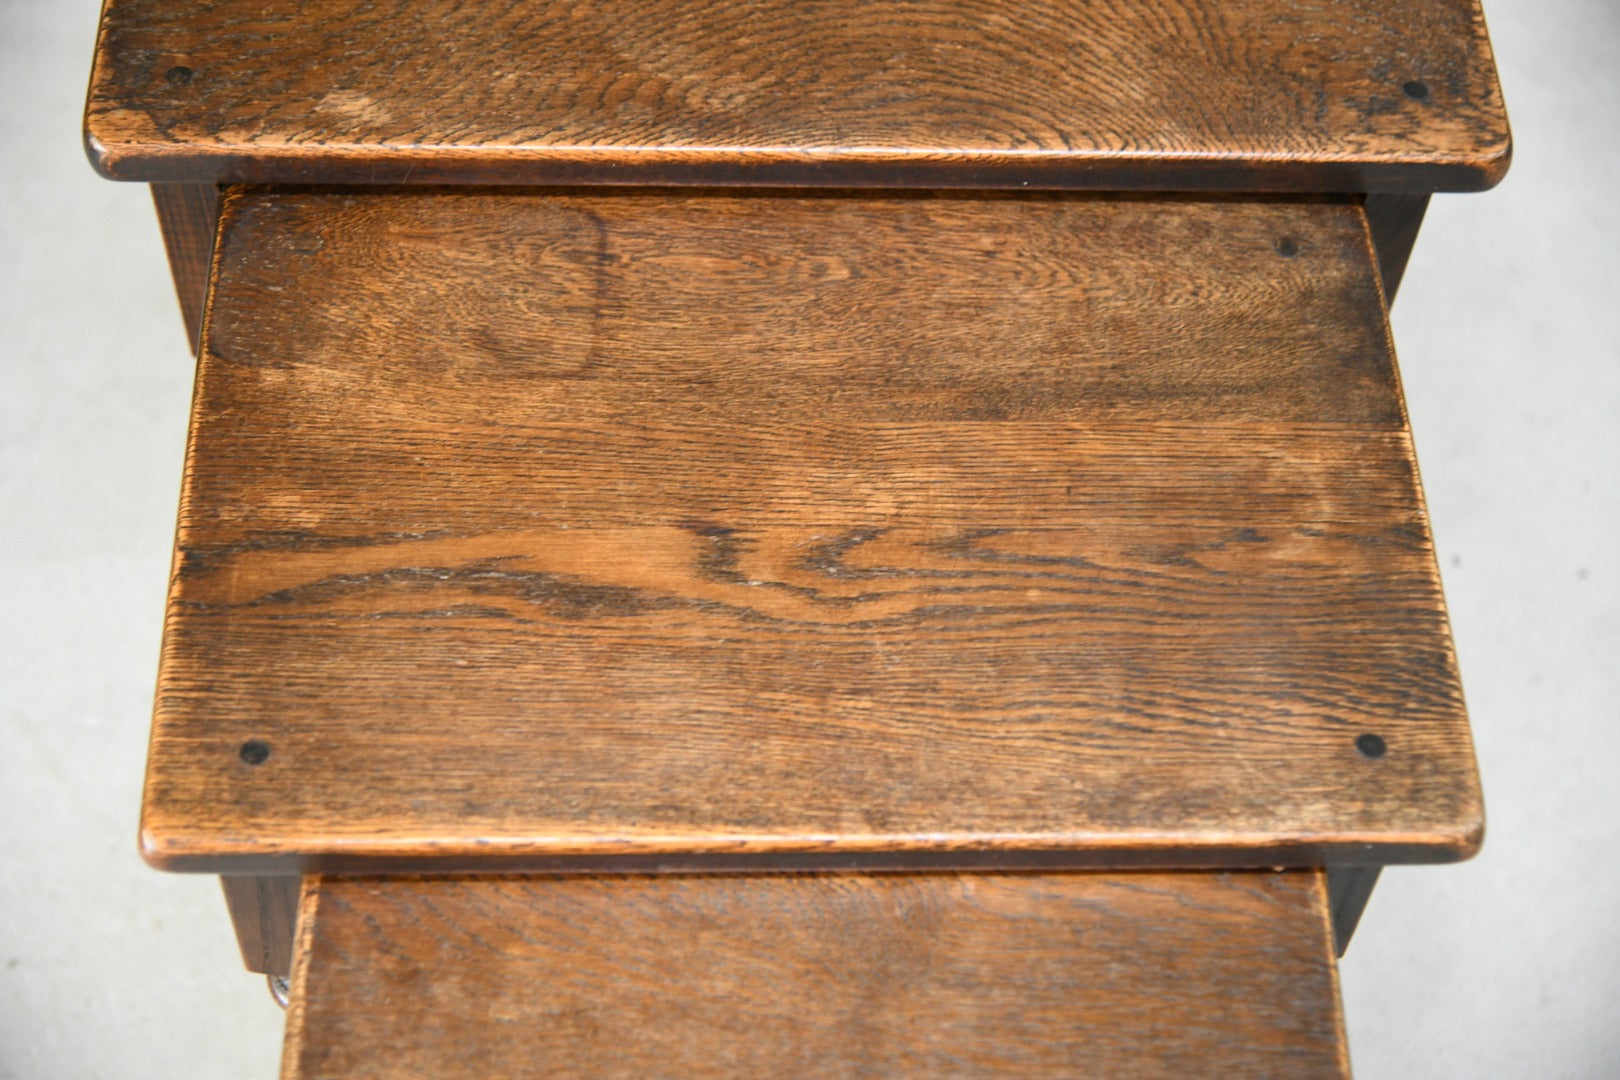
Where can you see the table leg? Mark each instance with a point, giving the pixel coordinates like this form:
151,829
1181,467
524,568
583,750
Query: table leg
188,214
1394,220
1349,889
264,910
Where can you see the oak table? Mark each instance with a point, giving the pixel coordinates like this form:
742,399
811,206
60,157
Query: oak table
861,515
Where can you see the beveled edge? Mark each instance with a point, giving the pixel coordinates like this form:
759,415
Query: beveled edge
1329,946
1056,170
309,900
182,850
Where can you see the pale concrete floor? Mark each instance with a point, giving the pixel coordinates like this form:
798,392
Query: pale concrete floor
1509,331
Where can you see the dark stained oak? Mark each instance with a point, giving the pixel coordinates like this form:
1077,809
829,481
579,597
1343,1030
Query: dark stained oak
1349,889
1298,95
933,975
263,911
1394,221
569,529
188,214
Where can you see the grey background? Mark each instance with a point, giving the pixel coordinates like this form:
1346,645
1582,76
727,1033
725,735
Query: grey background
1508,330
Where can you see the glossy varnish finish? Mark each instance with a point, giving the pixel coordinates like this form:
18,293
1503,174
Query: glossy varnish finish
712,530
1319,95
824,975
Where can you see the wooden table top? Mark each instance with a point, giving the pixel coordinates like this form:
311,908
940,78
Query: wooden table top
534,529
1187,974
1275,95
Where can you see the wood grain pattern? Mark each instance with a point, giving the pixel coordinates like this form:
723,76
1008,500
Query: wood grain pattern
808,976
263,912
188,214
1317,95
530,529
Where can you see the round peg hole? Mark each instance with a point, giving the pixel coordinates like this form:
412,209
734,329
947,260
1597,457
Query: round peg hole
1415,90
254,752
1286,246
178,75
1371,746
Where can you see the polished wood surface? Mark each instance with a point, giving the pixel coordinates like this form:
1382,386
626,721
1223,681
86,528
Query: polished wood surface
188,214
1132,975
536,529
1319,95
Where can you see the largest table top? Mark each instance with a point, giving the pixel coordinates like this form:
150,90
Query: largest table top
1267,95
535,529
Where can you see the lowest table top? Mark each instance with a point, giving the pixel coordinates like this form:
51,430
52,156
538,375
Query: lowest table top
559,529
817,975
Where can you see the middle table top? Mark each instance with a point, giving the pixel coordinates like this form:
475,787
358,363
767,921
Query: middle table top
558,529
